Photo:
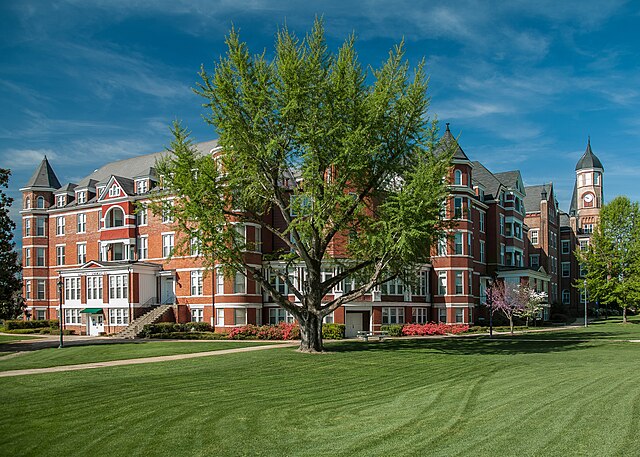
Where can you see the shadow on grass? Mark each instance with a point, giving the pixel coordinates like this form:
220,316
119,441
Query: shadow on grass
36,345
461,346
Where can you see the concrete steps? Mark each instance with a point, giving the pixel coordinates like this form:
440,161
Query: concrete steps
135,328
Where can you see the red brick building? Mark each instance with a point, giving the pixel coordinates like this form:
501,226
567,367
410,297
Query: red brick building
113,260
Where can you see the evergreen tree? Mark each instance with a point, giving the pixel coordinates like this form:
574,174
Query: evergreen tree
345,160
10,285
612,260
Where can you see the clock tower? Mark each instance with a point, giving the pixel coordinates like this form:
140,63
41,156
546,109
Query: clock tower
587,194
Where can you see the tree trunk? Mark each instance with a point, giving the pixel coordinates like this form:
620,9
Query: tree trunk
311,334
511,324
624,314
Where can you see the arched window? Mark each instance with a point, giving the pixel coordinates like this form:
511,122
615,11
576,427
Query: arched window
457,178
114,217
566,296
27,203
40,202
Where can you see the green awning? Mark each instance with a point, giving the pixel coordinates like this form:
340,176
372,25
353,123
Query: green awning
92,310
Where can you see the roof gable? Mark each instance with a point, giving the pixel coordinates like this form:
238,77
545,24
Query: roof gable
44,176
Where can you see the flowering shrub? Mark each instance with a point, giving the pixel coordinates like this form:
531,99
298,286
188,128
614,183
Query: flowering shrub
282,331
432,328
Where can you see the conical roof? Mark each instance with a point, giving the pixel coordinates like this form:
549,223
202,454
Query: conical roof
588,159
447,141
44,176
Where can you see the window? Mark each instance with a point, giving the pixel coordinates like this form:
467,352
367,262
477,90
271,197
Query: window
72,316
27,257
277,315
166,212
60,225
94,287
219,317
258,239
533,234
517,230
587,228
583,271
422,283
442,246
40,202
118,286
328,319
141,216
143,248
81,197
60,200
566,247
457,178
470,282
40,291
241,235
27,289
40,257
566,269
596,178
196,283
502,224
167,245
118,316
534,261
219,281
100,221
459,315
114,217
40,222
442,315
392,316
482,221
197,315
239,316
60,255
584,245
27,227
442,283
458,278
508,229
114,191
142,186
239,286
41,314
457,243
393,287
501,254
82,223
81,253
195,246
27,203
469,244
566,296
420,315
483,258
72,289
457,207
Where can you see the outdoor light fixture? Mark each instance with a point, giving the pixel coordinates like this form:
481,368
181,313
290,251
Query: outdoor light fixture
60,317
585,303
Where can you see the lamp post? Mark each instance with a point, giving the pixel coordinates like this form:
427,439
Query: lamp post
585,303
60,316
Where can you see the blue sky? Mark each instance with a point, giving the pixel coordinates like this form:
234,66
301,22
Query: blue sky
522,82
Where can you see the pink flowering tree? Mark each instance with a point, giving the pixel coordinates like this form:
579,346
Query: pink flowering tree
510,299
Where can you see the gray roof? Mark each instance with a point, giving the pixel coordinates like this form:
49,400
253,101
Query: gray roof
534,196
448,141
589,159
564,219
44,176
573,208
487,179
143,165
508,178
66,188
127,184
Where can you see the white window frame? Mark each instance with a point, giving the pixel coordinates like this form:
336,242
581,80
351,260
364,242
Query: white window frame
420,315
566,268
72,316
197,315
94,288
143,247
142,217
196,283
81,223
43,251
60,255
483,254
81,253
118,287
392,315
118,316
60,225
27,227
239,316
442,283
239,284
168,240
219,317
114,190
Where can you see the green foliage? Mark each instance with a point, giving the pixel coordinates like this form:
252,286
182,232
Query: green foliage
171,327
11,303
187,335
333,331
33,324
612,260
393,329
330,149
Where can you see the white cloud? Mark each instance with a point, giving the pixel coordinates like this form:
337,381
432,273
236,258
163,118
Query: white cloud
22,159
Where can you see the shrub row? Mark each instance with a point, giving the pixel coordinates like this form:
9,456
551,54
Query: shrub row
200,331
19,324
41,331
171,327
189,336
282,331
430,328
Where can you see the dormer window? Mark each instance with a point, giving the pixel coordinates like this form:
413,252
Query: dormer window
81,197
114,191
457,178
141,186
60,200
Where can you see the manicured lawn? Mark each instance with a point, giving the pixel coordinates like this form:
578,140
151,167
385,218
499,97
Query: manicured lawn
612,328
466,396
104,352
6,338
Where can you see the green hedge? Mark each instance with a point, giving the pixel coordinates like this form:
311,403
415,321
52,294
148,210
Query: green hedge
333,331
188,336
19,324
393,329
170,327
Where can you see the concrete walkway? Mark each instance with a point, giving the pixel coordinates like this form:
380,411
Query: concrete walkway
163,358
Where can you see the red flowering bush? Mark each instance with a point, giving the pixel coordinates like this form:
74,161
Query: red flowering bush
282,331
431,328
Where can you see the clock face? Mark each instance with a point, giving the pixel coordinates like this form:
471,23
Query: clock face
588,198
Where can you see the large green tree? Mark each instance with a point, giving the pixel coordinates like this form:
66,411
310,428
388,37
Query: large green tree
612,259
343,157
10,285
